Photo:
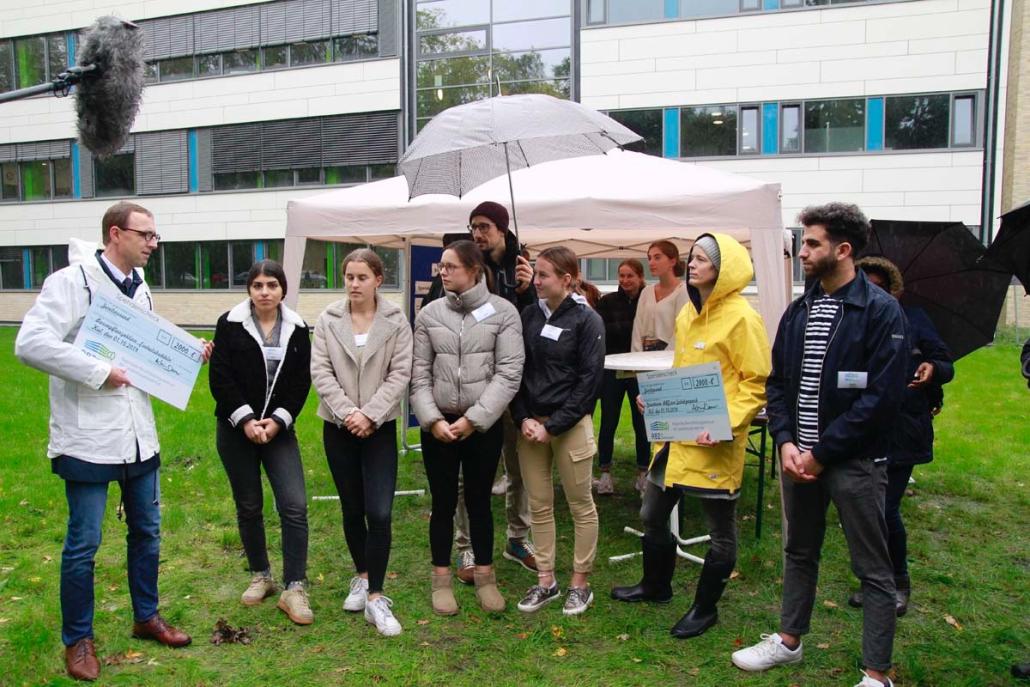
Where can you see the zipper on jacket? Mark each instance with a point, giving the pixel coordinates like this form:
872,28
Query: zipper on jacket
457,390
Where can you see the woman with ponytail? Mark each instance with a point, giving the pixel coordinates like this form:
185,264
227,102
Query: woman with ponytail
564,343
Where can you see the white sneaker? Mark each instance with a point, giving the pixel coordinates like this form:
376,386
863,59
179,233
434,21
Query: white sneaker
605,485
358,596
873,682
767,653
378,613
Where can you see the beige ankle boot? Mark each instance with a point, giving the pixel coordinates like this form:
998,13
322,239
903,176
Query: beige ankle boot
490,599
444,602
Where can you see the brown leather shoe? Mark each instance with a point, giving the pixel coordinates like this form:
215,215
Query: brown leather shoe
81,660
157,629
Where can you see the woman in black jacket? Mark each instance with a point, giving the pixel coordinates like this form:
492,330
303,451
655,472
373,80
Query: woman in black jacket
564,341
260,377
911,438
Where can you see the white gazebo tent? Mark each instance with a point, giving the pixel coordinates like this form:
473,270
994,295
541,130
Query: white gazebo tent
611,205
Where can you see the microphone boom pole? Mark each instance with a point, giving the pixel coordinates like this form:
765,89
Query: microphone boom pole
59,86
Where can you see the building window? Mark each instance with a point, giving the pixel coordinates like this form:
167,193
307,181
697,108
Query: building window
30,55
240,61
180,265
916,122
35,180
708,131
242,256
209,65
115,176
6,66
790,128
303,54
750,132
153,271
317,268
835,126
468,51
45,260
176,69
963,121
356,47
275,57
12,274
647,123
10,176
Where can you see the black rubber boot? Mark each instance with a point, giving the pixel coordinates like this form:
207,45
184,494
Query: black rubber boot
903,590
704,613
656,584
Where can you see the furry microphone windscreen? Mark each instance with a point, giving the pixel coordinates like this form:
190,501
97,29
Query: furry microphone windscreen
108,98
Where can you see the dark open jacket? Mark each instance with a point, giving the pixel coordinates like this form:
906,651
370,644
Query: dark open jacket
868,336
617,311
912,438
561,379
504,275
238,376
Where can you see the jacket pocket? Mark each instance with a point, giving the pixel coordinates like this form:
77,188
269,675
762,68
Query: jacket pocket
102,411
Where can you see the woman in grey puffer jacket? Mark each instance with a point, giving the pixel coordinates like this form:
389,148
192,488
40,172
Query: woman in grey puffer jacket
467,366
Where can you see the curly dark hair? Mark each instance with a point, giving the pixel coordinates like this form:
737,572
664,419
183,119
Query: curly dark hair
843,222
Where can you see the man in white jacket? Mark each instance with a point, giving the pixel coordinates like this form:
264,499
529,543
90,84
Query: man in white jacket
101,431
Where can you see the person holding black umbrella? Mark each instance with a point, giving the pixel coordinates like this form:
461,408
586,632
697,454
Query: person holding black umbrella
911,444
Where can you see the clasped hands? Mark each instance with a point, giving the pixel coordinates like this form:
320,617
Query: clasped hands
261,431
449,432
800,466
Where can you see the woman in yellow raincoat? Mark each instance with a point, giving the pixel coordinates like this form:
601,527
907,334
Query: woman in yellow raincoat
717,325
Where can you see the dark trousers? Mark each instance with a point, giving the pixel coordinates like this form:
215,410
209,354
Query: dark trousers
86,505
280,457
720,517
612,392
476,458
856,488
897,537
365,473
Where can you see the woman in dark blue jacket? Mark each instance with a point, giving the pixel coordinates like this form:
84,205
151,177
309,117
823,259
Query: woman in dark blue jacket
911,438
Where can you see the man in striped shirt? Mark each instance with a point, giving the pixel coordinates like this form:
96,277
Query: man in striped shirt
837,380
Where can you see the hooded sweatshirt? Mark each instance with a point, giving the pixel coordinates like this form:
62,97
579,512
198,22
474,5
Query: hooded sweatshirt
727,330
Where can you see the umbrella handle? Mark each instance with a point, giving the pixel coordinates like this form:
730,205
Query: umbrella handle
511,193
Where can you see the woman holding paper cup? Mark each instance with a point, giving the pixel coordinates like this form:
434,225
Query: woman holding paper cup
260,377
360,366
717,325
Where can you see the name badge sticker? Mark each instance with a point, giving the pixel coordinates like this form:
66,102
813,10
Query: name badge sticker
484,311
852,380
273,352
551,332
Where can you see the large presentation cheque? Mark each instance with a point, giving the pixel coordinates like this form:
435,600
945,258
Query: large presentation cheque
160,358
685,401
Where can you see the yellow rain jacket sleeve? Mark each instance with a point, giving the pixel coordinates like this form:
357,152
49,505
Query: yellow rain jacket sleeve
727,330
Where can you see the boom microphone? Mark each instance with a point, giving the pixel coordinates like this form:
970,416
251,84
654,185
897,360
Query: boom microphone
109,96
109,76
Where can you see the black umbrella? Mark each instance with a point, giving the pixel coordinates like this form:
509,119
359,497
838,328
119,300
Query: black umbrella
1011,247
947,275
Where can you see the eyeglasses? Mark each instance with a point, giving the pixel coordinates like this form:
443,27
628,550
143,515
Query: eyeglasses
148,236
449,267
480,227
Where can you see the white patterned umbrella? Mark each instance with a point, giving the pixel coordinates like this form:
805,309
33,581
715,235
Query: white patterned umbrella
467,145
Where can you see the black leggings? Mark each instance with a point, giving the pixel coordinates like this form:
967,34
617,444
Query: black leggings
365,472
477,458
897,537
720,516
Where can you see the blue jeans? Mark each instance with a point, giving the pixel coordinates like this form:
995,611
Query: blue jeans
86,504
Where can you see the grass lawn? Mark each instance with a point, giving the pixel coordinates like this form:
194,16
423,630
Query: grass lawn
967,517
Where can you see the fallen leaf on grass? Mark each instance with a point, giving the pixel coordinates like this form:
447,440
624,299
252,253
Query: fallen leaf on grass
423,621
734,575
128,657
522,635
557,632
35,580
227,634
47,559
317,649
637,660
830,604
321,577
624,637
560,651
112,588
4,620
836,672
694,671
738,642
153,662
424,644
949,619
392,575
16,598
824,645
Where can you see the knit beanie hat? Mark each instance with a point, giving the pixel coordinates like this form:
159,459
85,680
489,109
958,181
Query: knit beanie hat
495,212
710,246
